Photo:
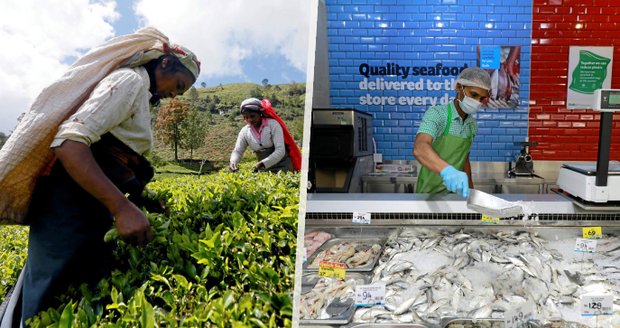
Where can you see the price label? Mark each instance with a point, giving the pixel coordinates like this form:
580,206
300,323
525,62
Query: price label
369,295
593,305
592,233
585,245
489,219
519,316
332,270
361,218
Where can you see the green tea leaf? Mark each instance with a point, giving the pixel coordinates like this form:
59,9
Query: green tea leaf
147,318
182,281
66,318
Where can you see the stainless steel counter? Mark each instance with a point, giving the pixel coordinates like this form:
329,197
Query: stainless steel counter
492,183
447,209
426,203
487,176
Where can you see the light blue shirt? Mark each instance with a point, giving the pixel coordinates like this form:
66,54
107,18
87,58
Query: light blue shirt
435,119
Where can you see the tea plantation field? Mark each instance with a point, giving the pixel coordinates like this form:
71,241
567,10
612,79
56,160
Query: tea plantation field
223,257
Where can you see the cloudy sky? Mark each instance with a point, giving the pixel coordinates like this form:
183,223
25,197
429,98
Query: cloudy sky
236,40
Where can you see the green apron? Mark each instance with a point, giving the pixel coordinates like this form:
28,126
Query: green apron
451,149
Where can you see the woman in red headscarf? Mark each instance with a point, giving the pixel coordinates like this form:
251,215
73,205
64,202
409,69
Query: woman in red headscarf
266,135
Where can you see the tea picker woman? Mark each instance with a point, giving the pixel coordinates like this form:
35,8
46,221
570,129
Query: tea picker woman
77,152
267,136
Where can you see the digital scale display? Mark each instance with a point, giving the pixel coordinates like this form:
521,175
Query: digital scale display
606,100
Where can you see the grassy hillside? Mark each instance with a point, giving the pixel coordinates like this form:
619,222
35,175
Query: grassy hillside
219,106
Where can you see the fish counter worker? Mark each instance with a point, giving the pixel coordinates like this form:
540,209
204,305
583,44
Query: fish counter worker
445,136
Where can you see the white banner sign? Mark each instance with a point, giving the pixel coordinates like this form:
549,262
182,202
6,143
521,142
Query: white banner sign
589,68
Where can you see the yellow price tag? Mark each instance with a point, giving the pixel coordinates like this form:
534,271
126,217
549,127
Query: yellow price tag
592,232
489,219
332,270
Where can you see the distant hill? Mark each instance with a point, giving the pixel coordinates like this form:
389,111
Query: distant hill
220,106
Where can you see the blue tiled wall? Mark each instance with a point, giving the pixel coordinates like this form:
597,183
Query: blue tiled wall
425,33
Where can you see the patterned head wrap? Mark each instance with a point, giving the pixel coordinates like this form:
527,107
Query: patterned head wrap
251,105
185,56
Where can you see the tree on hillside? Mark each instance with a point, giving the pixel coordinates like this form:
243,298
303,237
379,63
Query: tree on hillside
212,108
298,101
203,84
265,82
296,89
193,94
194,99
169,122
275,101
193,131
256,93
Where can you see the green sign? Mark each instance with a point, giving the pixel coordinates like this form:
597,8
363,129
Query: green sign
590,72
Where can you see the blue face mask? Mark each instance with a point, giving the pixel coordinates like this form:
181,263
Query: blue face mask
469,105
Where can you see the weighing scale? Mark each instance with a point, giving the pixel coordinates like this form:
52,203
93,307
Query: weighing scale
596,184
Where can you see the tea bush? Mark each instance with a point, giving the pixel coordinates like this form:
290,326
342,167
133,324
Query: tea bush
13,249
223,256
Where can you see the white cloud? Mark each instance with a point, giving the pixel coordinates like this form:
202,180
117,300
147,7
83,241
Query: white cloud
41,37
224,33
37,36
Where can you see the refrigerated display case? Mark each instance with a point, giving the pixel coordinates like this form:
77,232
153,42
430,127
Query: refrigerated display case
444,265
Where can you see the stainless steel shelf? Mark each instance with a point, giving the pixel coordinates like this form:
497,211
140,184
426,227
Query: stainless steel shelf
492,183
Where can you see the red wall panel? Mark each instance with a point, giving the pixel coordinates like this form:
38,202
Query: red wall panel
562,134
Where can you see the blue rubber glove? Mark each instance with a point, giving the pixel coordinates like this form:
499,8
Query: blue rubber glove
455,180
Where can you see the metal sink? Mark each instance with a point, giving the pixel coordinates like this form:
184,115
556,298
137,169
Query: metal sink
522,185
389,183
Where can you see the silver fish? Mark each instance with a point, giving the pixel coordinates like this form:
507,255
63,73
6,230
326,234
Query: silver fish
475,255
461,262
398,266
368,314
437,304
404,306
481,312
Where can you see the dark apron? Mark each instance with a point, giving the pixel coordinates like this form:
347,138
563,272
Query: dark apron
451,149
285,164
67,226
65,244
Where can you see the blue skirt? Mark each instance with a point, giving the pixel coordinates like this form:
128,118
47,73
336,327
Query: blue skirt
65,245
